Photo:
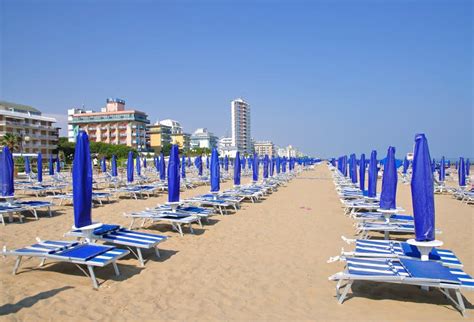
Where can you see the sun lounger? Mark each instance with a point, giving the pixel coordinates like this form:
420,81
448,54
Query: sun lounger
176,220
135,241
10,210
427,274
88,254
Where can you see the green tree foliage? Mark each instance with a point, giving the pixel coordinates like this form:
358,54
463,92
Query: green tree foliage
67,148
12,141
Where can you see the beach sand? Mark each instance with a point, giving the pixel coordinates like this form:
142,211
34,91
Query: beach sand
265,262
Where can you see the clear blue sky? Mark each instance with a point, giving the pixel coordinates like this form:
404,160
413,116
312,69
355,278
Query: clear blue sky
330,77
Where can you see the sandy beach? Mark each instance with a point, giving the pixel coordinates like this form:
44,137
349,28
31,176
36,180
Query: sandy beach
265,262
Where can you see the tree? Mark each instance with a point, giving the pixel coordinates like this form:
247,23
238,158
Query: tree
12,141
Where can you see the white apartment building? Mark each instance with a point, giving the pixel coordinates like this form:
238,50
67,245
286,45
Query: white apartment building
202,138
264,148
241,130
226,148
37,132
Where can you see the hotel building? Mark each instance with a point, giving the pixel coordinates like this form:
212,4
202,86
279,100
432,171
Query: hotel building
178,136
157,136
202,138
37,132
264,148
113,124
240,115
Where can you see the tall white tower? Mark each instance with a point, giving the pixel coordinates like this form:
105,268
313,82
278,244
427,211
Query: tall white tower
241,138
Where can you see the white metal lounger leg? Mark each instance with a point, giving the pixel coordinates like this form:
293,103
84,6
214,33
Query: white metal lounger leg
2,219
157,252
140,257
180,230
33,211
343,295
49,211
17,264
116,269
92,276
458,302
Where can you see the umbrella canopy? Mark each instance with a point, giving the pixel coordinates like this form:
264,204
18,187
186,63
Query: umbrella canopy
173,174
278,165
138,166
442,170
51,165
58,165
283,165
7,185
183,167
114,166
144,163
462,172
249,162
353,167
215,171
265,167
27,165
157,164
162,167
388,195
82,182
255,167
468,167
422,191
103,165
130,167
40,167
198,164
237,169
226,163
372,187
362,172
272,166
207,162
242,163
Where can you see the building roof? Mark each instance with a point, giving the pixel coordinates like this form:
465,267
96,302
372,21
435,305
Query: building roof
19,107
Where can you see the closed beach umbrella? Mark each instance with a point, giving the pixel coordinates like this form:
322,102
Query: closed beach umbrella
372,186
51,165
82,182
468,167
144,163
442,172
215,171
283,165
6,168
388,195
433,165
103,165
362,172
462,172
183,167
237,169
278,165
242,163
198,162
354,168
157,164
58,165
40,167
138,166
130,167
249,162
272,166
255,167
207,162
27,165
405,165
226,163
422,191
114,166
162,167
173,174
265,167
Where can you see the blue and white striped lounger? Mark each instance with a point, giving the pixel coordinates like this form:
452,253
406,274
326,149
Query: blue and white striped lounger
135,241
364,229
34,205
396,249
176,220
10,210
405,271
88,254
185,209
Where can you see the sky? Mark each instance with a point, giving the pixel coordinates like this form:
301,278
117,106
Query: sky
329,77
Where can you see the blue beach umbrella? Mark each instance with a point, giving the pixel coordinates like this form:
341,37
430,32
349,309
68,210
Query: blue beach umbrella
183,167
442,170
173,174
255,167
157,164
162,167
462,172
388,195
278,165
58,165
372,186
283,165
406,163
272,166
249,162
468,167
114,166
27,165
130,167
362,172
207,162
265,167
237,169
215,171
82,182
242,163
226,163
103,165
353,168
51,165
138,166
6,173
144,163
422,191
40,167
189,162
